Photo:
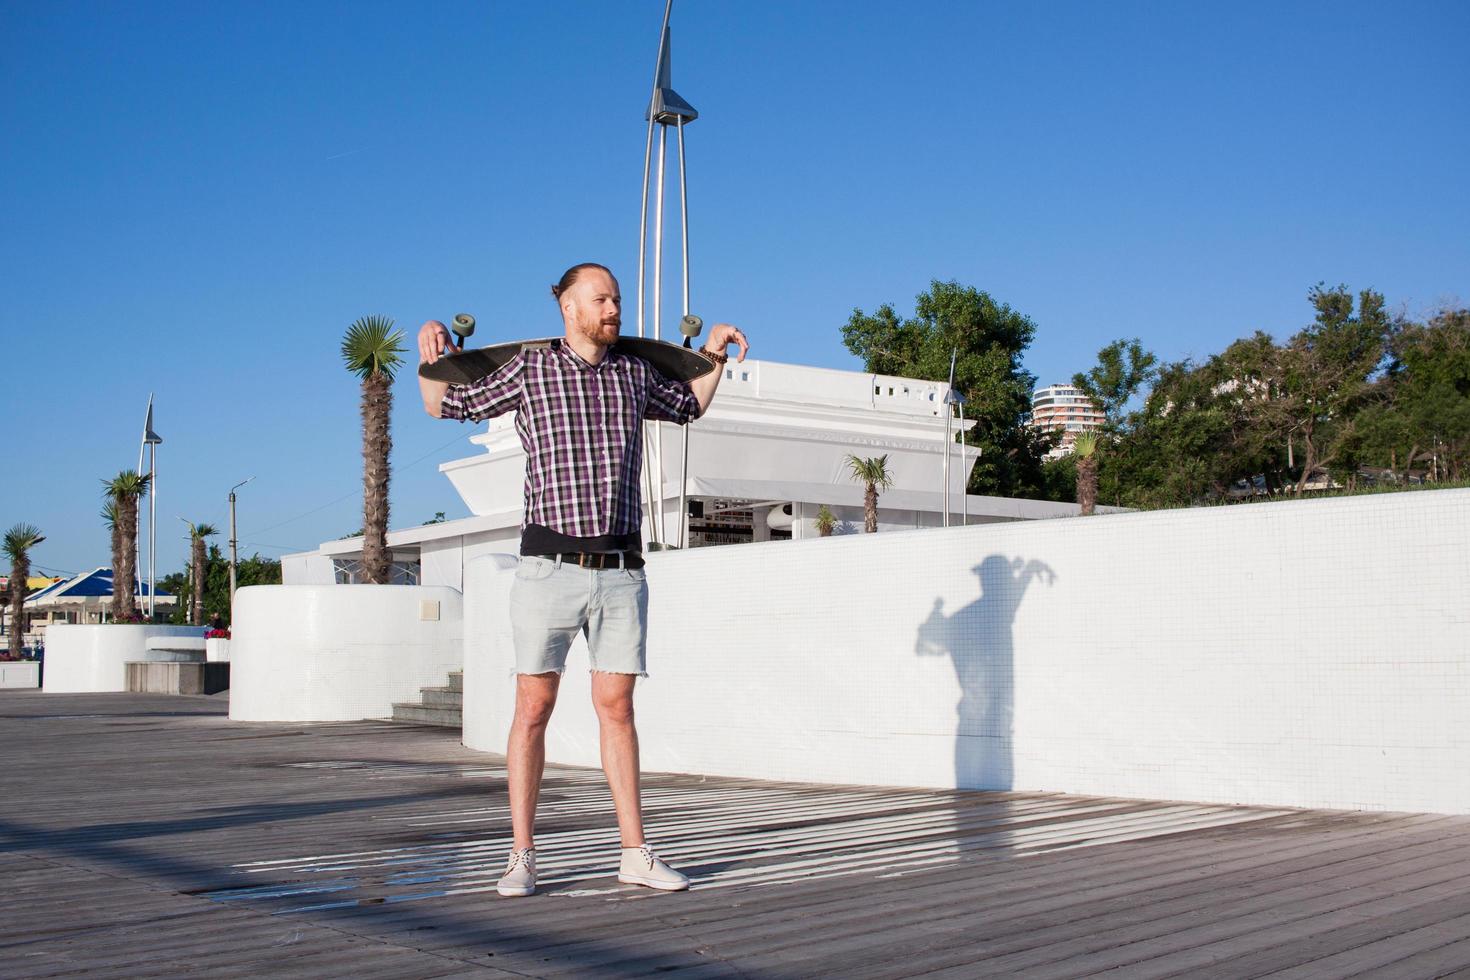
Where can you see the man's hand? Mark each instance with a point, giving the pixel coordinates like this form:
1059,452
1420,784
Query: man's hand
723,335
434,341
720,337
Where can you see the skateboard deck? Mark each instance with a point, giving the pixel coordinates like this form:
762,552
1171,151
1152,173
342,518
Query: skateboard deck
672,361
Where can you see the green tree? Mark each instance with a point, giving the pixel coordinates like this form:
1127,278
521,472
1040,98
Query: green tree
124,491
1123,369
990,339
874,476
1085,450
19,541
197,534
825,521
1269,414
254,570
1425,417
1325,374
114,529
372,350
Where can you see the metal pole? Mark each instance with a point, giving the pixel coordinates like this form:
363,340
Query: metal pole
232,546
684,213
643,224
654,449
965,479
152,523
684,459
647,159
642,282
138,538
233,558
948,439
189,615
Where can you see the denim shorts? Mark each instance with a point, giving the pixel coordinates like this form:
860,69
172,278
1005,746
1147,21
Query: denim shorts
551,601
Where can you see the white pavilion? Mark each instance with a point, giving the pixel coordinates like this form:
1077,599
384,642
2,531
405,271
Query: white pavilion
763,460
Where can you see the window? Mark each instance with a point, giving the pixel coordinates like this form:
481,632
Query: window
348,571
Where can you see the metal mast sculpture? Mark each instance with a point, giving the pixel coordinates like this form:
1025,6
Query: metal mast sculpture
151,441
665,110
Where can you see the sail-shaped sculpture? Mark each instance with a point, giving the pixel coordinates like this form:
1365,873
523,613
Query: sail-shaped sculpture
666,110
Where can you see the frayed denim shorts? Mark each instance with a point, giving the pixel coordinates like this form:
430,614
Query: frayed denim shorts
551,602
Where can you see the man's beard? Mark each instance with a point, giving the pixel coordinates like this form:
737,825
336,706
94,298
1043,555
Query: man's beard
599,331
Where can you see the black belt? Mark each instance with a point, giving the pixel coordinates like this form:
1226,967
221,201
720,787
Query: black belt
599,559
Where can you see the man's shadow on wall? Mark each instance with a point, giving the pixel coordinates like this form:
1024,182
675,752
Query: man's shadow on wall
978,640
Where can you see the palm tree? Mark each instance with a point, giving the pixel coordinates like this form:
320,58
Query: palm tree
825,522
19,541
372,351
874,476
197,534
124,491
1085,448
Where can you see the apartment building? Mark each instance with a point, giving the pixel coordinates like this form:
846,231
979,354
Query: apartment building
1064,408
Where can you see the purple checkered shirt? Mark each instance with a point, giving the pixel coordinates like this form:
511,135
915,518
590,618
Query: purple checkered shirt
580,425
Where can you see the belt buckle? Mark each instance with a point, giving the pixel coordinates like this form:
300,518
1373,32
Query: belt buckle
584,560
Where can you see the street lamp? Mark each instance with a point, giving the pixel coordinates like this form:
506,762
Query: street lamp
189,599
233,543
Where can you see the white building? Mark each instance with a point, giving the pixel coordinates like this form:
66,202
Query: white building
769,453
1066,409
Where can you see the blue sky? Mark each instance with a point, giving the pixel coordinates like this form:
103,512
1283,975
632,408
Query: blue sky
197,199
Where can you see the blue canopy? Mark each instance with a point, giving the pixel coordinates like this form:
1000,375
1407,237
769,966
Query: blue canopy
96,584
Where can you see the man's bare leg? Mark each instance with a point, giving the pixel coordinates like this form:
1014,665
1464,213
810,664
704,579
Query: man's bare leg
612,696
525,756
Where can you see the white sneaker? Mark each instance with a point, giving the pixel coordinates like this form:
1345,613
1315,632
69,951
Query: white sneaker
642,867
520,875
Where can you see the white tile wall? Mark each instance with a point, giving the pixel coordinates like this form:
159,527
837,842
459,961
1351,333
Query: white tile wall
338,652
1305,653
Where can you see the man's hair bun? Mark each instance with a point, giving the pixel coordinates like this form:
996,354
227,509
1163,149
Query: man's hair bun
572,275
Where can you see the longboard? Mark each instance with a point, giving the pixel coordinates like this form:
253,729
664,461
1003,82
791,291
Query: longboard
669,359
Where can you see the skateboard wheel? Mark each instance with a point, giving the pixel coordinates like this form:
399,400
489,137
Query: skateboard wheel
691,325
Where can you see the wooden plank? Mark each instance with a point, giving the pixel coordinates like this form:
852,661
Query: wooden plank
1450,961
1211,943
1016,910
1406,938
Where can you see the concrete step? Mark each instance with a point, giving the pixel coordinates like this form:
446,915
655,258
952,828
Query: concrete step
442,697
421,714
456,681
171,677
158,655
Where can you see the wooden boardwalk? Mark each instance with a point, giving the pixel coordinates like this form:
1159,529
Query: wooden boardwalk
147,835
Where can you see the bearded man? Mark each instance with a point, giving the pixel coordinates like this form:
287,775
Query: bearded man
579,410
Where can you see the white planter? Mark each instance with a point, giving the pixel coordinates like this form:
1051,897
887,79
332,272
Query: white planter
217,650
89,658
21,674
339,652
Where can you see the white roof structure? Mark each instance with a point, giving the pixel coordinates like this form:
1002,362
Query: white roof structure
772,449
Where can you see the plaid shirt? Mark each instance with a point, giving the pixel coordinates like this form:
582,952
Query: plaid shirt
581,428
